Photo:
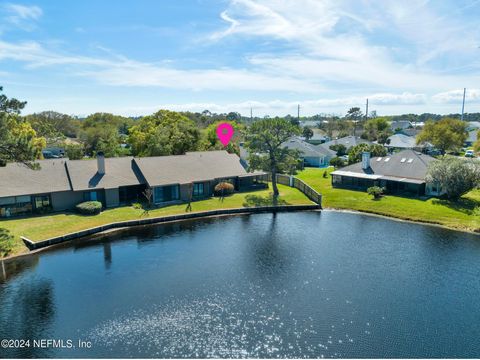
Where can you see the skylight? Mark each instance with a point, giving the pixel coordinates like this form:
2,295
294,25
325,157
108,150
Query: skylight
410,161
386,159
403,160
379,159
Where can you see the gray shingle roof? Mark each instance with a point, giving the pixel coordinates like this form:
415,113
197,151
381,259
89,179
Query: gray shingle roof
55,175
191,167
472,135
401,124
119,171
413,166
306,149
401,141
17,179
347,141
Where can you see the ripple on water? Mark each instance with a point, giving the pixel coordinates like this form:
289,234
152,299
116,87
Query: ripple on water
212,327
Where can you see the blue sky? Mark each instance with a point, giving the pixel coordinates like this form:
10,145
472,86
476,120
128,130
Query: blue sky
133,58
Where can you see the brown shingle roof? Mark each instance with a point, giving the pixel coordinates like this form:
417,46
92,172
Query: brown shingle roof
191,167
17,179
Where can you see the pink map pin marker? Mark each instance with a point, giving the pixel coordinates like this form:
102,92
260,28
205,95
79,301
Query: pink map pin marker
225,132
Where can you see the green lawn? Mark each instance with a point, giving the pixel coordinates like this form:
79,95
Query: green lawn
463,214
43,227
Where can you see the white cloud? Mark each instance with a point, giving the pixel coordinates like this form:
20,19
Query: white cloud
280,107
22,16
456,96
118,70
334,51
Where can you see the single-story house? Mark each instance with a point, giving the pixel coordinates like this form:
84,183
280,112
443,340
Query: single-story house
402,142
312,155
310,123
402,172
473,125
347,141
472,137
400,124
317,138
60,184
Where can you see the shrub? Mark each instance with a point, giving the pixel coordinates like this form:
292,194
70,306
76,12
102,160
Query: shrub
223,188
89,207
6,242
456,176
337,162
339,148
375,191
325,175
137,206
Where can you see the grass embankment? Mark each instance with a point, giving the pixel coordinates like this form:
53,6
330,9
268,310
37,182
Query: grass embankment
463,214
39,228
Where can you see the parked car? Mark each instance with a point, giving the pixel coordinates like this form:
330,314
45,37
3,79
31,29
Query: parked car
49,155
469,153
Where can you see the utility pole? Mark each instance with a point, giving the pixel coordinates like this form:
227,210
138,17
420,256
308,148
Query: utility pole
298,113
251,114
366,111
463,103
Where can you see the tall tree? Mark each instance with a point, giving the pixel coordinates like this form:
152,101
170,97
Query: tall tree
476,145
121,123
18,140
456,176
446,134
376,128
307,133
264,139
164,133
355,152
210,141
53,125
354,113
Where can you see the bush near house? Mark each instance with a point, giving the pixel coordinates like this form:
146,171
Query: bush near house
7,242
375,191
223,188
89,207
337,162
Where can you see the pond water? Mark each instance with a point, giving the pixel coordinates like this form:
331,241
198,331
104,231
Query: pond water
305,284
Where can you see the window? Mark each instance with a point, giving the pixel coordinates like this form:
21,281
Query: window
90,196
12,206
42,202
337,179
198,189
7,200
166,193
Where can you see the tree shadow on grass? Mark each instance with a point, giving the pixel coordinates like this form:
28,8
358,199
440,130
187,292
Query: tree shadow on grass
269,200
464,205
